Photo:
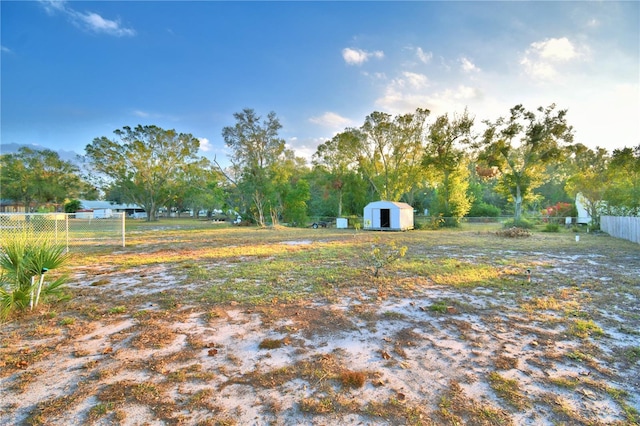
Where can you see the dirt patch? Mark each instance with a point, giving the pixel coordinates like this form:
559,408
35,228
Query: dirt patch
558,348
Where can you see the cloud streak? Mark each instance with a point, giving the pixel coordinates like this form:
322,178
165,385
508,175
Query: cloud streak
331,120
89,21
358,56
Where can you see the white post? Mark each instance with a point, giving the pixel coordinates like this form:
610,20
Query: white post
66,217
123,228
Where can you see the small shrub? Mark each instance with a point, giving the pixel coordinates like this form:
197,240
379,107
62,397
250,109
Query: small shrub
24,262
522,223
551,227
383,255
482,209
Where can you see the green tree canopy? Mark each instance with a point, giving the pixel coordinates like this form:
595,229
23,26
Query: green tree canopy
446,164
256,149
623,194
37,177
589,179
145,163
390,152
338,157
521,146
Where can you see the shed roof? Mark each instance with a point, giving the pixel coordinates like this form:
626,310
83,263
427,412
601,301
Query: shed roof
382,203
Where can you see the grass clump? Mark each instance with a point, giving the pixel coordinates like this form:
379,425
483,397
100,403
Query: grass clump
633,354
271,344
508,389
353,379
585,328
440,307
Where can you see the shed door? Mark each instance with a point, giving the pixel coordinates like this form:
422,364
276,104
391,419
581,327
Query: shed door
385,218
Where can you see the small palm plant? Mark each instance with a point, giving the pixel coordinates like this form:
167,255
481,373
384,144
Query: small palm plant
23,264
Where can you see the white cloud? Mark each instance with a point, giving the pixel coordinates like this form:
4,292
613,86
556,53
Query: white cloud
542,58
205,145
141,114
424,57
358,57
330,120
557,49
88,20
413,80
98,24
5,49
53,6
305,147
468,66
399,99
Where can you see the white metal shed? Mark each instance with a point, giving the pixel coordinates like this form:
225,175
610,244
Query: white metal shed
388,216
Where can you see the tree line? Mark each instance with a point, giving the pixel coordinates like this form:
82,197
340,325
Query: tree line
523,162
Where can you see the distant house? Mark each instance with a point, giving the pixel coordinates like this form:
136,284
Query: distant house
388,216
104,209
10,206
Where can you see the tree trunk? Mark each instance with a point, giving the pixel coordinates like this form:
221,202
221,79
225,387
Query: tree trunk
518,205
257,199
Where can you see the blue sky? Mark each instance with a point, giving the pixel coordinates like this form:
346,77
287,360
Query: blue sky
73,71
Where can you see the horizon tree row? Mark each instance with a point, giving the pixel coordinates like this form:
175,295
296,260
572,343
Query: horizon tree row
525,160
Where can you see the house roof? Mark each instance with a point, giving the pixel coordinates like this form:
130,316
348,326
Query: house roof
97,204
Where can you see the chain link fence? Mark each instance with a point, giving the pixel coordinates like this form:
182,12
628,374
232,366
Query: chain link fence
68,229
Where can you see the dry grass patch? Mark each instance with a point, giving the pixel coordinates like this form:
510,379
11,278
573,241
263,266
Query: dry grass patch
153,335
503,362
399,411
457,408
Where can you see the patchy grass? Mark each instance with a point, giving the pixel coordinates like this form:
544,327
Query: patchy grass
175,328
509,390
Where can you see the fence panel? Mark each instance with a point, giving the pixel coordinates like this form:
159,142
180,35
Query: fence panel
625,227
68,229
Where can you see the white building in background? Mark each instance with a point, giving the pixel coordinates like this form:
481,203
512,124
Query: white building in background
388,216
104,209
583,214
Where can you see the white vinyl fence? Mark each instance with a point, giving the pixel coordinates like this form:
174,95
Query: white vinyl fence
625,227
69,229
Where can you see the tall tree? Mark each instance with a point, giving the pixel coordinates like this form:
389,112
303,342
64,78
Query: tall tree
589,178
444,159
255,148
391,151
521,146
145,163
623,194
338,157
36,177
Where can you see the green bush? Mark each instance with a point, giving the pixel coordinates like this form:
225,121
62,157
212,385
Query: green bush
24,263
551,227
483,209
522,223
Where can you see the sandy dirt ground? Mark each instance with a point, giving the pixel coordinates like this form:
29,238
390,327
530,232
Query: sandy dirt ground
433,354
